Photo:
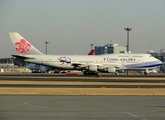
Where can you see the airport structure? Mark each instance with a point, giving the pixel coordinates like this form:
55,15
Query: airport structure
13,65
109,49
11,62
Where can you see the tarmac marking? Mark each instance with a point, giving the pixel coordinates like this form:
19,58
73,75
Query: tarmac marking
31,105
27,104
135,116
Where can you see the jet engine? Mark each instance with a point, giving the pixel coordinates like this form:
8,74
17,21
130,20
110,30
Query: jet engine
92,68
109,69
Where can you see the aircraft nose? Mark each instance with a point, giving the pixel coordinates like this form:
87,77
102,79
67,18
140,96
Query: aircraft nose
160,62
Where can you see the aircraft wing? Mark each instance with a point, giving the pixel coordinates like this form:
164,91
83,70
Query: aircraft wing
77,63
81,64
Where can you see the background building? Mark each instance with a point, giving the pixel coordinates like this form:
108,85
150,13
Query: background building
109,49
11,62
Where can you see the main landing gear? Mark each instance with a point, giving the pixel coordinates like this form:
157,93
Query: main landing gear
89,73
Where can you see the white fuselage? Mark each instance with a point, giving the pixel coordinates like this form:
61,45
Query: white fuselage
122,61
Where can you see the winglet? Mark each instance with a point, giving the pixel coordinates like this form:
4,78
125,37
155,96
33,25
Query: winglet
22,45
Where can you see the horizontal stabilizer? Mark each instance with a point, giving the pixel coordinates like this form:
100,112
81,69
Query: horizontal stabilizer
22,57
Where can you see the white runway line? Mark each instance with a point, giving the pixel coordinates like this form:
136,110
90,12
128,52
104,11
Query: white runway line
26,103
135,116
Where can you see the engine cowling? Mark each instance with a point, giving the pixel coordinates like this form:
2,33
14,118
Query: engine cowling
109,69
92,68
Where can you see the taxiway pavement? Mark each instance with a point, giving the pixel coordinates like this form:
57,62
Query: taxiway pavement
82,107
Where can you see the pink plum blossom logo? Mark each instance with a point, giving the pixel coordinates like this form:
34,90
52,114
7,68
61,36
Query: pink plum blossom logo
22,46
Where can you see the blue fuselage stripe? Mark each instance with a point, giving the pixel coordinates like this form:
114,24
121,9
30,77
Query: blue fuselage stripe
147,66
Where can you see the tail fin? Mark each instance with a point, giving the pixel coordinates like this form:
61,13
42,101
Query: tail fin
92,52
22,45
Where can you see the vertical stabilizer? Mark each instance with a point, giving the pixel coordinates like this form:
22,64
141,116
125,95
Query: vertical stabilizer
21,45
92,52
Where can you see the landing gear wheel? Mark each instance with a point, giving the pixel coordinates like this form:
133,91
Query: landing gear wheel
116,73
145,73
85,73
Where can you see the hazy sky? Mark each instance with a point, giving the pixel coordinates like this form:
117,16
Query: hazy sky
71,26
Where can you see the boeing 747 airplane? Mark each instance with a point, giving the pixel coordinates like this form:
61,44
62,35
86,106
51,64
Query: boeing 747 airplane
108,63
